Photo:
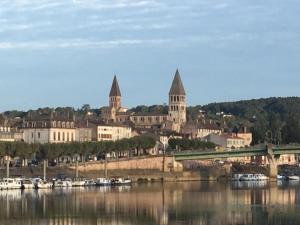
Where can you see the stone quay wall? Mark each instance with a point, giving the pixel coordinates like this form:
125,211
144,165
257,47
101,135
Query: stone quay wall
164,164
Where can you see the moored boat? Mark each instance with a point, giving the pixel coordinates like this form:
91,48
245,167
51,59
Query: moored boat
293,178
89,183
67,183
28,184
78,183
9,183
236,177
253,177
42,184
103,182
121,181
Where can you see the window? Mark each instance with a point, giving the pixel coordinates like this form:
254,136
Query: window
39,135
63,136
54,136
32,135
68,137
58,136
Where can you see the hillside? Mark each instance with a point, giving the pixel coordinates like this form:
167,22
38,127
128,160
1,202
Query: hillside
271,118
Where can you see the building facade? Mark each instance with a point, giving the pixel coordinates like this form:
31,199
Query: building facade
226,141
48,129
113,132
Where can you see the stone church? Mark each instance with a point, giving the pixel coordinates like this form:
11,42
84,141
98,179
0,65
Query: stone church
174,120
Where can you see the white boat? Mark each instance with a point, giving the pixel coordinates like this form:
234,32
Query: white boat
63,183
103,182
78,183
121,181
281,177
28,184
9,183
293,178
89,183
253,177
236,177
41,184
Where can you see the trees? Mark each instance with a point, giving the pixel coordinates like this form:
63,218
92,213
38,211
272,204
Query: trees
187,144
291,130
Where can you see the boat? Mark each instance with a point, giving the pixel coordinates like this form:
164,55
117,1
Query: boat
67,183
78,183
281,177
293,178
89,183
9,183
103,182
236,177
43,184
253,177
28,184
121,181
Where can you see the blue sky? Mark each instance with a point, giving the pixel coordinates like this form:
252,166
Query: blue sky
65,52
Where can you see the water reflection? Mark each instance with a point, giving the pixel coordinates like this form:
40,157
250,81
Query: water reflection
172,203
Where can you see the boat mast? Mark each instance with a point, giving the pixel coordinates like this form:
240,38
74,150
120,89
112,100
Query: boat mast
45,168
7,167
76,169
105,167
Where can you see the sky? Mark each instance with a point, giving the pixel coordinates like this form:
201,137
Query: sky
57,53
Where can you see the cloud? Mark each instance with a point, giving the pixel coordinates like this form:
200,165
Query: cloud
81,43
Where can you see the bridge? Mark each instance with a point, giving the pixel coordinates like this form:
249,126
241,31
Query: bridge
272,152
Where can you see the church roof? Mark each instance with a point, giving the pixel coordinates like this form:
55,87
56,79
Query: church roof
115,89
177,86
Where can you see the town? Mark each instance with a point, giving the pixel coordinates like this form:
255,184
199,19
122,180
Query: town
117,132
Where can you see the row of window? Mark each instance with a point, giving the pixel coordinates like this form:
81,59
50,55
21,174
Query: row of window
177,98
149,119
105,136
54,124
5,129
60,124
63,136
176,108
235,142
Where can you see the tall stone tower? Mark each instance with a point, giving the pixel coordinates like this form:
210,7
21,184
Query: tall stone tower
115,95
177,104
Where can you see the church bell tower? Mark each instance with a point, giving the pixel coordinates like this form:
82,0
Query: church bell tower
177,104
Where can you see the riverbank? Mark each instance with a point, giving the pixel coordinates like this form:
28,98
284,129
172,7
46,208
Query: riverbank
209,172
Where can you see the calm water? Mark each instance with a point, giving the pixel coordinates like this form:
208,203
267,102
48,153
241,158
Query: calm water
172,203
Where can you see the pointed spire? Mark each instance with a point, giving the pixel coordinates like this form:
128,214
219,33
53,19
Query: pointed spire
177,86
115,90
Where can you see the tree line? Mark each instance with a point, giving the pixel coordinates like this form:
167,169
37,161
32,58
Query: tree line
187,144
135,146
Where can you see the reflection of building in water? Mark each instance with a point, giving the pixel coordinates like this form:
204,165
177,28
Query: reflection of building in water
189,203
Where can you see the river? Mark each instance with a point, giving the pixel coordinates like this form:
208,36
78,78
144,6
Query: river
199,203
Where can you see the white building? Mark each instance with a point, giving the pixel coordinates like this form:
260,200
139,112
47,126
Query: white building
113,132
48,130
